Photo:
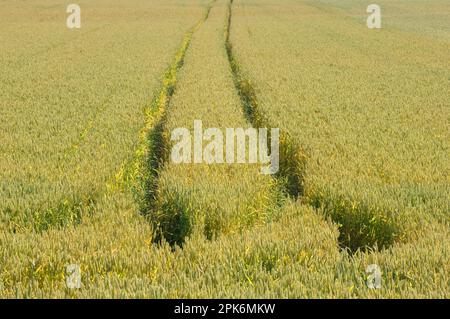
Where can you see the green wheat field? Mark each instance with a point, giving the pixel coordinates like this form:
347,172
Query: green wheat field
86,116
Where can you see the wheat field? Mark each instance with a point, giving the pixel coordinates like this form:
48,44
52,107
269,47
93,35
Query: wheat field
86,133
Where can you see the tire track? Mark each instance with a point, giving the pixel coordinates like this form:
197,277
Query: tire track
293,161
140,174
205,198
292,157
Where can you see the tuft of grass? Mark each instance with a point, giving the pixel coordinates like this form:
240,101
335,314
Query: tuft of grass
67,212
